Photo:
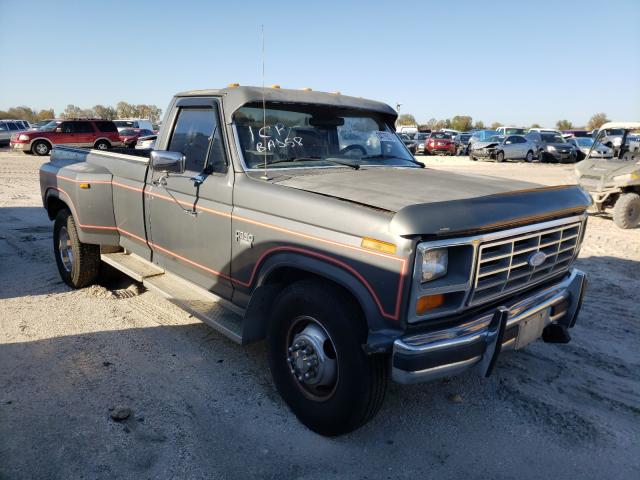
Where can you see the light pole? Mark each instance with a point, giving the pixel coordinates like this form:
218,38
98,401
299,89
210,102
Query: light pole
398,105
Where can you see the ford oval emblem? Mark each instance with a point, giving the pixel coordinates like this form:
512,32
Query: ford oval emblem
537,259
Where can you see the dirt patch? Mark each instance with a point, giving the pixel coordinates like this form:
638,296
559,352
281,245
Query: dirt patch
202,407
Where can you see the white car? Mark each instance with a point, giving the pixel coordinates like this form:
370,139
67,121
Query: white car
125,123
584,144
450,131
146,143
8,128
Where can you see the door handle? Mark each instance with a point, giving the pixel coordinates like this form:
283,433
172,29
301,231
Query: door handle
197,180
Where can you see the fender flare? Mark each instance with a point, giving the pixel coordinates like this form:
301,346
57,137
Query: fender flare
54,193
263,294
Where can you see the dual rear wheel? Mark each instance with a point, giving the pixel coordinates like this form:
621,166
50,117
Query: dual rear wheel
314,341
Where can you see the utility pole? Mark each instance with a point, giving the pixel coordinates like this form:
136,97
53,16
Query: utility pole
398,105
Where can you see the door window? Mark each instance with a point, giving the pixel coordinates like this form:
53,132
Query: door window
192,135
82,127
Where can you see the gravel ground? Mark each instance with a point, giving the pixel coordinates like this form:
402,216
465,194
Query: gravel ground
203,407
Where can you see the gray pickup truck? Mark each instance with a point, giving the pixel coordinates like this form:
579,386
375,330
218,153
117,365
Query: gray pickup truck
301,218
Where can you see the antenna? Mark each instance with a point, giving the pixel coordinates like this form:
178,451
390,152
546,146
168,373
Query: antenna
265,176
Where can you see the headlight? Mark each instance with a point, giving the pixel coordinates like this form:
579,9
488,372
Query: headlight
434,264
23,138
629,177
551,148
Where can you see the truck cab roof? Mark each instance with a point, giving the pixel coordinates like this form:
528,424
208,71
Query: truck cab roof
236,97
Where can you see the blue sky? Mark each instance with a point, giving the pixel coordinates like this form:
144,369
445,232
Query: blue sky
514,62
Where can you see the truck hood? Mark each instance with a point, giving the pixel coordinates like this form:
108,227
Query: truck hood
427,201
595,168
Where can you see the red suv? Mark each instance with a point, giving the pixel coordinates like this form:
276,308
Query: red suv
439,142
99,134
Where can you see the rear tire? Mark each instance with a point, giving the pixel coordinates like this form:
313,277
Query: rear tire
78,263
529,157
354,390
626,212
41,148
102,145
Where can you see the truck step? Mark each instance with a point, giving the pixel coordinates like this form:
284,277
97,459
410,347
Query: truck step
132,265
216,312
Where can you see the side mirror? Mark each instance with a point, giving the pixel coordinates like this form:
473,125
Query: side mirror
167,162
59,129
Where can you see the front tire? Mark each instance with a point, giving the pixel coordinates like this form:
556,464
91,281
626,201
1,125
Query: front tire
317,362
500,157
41,148
626,212
78,263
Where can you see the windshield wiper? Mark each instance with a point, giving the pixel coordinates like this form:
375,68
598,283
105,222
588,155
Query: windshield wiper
383,157
355,166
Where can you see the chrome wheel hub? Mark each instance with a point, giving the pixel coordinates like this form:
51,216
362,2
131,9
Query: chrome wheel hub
65,250
312,360
41,148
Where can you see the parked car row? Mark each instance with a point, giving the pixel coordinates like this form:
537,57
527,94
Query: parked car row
514,143
42,136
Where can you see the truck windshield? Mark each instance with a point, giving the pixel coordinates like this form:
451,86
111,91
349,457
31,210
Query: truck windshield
316,136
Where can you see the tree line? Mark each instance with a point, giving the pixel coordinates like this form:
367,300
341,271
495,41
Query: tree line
464,123
121,110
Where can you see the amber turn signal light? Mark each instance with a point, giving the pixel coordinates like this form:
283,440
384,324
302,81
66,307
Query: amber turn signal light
429,302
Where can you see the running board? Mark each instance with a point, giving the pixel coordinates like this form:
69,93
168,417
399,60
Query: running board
216,312
132,265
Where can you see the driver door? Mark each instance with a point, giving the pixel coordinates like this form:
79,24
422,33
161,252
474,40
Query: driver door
510,148
189,214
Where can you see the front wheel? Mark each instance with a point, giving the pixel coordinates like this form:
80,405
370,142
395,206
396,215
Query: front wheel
500,157
529,157
317,362
41,148
626,212
78,263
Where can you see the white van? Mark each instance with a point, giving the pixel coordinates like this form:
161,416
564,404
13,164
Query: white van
510,131
410,130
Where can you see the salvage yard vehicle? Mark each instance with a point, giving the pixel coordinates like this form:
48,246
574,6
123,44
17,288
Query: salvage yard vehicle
498,148
440,142
301,218
584,145
461,142
552,147
7,129
98,134
614,182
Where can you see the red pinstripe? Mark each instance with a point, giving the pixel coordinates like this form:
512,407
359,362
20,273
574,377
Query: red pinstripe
247,284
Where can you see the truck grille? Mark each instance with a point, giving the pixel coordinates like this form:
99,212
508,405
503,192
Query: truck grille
507,265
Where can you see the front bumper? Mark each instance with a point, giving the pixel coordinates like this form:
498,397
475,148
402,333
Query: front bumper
563,157
478,342
20,146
